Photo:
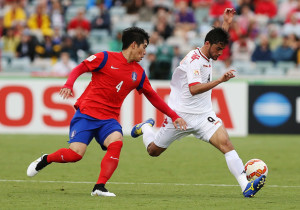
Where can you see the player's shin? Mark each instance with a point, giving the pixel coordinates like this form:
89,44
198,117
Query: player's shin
236,167
110,161
148,134
63,155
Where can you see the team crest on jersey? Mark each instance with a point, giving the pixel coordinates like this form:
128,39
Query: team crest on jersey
92,57
134,76
195,56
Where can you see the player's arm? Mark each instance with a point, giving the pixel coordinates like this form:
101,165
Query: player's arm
67,89
198,88
227,18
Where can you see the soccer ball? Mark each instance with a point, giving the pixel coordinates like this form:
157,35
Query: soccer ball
254,168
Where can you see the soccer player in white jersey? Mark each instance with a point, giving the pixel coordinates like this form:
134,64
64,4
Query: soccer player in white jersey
190,97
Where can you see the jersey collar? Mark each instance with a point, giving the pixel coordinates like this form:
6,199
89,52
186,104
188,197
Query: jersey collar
202,54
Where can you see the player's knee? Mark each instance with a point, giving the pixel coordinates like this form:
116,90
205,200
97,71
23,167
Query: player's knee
153,153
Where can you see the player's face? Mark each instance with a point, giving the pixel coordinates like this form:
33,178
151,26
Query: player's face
140,51
215,50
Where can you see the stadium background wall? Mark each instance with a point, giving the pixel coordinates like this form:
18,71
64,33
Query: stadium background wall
33,106
274,109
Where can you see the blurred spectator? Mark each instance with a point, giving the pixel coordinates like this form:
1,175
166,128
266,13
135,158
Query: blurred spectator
115,45
245,17
242,49
133,6
14,14
80,43
274,39
9,41
284,52
56,15
218,6
26,48
292,27
47,48
57,35
162,26
266,7
236,31
201,3
285,7
67,46
146,13
253,29
1,26
262,50
177,57
296,55
64,65
39,20
102,21
184,19
92,3
241,3
79,21
161,68
296,11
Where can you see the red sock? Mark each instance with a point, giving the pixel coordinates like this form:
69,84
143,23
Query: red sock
110,161
63,155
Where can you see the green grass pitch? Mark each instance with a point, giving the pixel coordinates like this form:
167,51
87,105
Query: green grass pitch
191,174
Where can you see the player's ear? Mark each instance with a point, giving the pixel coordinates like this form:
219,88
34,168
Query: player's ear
133,45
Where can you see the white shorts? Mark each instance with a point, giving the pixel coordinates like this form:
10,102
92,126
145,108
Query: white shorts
202,126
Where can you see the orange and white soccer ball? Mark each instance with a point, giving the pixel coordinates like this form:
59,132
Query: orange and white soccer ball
255,168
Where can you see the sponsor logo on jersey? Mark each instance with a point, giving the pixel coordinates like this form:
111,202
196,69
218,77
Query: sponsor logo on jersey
112,67
195,56
134,76
92,57
207,66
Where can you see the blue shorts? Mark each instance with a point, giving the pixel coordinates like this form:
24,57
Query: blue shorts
84,128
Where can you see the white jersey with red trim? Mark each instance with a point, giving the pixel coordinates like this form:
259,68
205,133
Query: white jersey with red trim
193,69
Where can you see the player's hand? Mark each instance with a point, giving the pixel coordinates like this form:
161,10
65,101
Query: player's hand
65,93
228,15
228,75
179,122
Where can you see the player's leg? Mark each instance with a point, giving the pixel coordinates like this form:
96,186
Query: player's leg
110,137
221,141
80,136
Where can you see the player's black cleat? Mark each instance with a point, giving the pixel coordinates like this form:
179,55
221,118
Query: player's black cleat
100,190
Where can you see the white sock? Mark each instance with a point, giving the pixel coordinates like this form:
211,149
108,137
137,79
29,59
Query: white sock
236,167
148,134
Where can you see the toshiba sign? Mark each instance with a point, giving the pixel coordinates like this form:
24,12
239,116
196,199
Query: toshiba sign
34,106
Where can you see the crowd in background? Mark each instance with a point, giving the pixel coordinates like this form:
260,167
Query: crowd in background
54,36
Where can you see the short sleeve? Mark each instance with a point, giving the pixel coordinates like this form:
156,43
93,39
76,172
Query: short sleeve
193,71
97,61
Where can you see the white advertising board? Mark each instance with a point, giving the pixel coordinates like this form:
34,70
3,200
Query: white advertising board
33,106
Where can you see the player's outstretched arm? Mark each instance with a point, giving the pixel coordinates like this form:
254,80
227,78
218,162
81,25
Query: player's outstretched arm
67,89
227,18
201,88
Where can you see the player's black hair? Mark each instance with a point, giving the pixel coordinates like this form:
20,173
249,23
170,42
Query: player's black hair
217,35
134,34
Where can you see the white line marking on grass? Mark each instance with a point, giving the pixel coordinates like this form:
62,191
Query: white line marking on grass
133,183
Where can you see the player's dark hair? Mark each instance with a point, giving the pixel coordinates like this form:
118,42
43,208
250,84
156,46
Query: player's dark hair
217,35
134,34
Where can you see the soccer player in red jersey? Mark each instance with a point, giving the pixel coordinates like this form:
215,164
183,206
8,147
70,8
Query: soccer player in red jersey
114,76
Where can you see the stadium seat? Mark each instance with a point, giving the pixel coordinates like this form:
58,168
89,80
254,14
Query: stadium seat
71,13
147,26
274,72
19,64
263,65
285,65
92,13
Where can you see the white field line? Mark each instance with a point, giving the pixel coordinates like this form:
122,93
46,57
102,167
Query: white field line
133,183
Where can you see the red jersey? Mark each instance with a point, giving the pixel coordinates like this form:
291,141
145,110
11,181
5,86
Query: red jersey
112,80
